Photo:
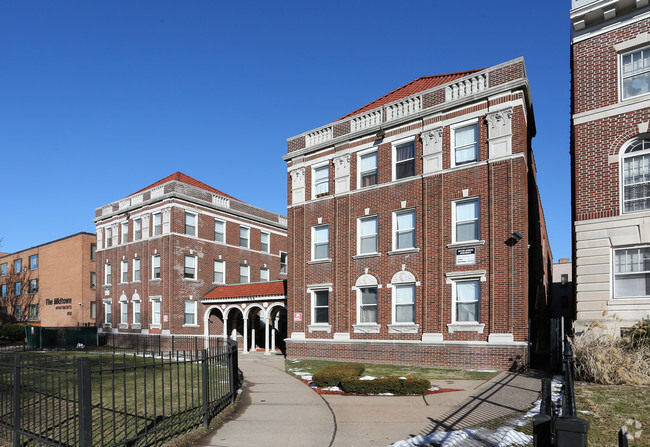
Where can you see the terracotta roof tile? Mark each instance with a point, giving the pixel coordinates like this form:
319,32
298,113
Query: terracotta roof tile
184,178
272,288
413,87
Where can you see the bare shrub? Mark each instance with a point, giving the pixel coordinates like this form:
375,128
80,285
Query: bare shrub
608,360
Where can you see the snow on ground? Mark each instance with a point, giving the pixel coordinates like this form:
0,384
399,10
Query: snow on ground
367,378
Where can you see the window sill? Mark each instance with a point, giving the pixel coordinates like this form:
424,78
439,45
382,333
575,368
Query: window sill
366,255
155,279
404,251
465,244
107,325
155,326
218,283
106,285
123,326
320,328
135,282
190,280
366,328
136,326
191,325
465,327
319,261
403,328
120,283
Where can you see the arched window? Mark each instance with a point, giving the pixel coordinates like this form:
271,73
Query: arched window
367,302
635,173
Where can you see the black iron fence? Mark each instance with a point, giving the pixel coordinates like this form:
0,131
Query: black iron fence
154,343
113,400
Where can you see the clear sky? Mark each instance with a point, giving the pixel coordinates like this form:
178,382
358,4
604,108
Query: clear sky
99,99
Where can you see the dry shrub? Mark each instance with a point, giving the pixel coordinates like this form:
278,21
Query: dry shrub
608,360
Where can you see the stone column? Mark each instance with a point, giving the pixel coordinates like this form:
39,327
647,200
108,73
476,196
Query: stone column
297,185
499,133
432,150
342,174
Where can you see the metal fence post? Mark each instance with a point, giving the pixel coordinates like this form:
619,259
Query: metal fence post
570,430
17,412
205,389
85,404
542,425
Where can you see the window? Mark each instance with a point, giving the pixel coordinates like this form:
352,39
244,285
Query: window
466,220
405,160
244,234
18,312
18,265
321,246
564,279
404,303
219,231
136,311
632,272
3,310
321,180
93,252
368,305
109,237
264,242
108,316
137,229
18,288
136,269
636,176
404,222
124,312
283,262
157,224
320,307
190,267
125,232
93,309
367,228
93,280
219,271
465,144
33,262
467,295
124,270
3,269
3,291
190,312
635,73
368,169
155,311
244,273
32,311
264,274
155,267
107,274
33,286
190,224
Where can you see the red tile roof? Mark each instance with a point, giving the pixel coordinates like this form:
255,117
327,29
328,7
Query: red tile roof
413,87
272,288
184,178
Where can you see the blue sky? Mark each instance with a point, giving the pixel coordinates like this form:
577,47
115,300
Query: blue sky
100,99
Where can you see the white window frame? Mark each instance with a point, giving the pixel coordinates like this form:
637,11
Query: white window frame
192,313
108,312
621,76
616,274
395,145
246,269
156,313
124,229
313,293
223,271
136,310
108,237
194,227
157,224
124,312
454,301
396,230
361,236
454,235
185,267
137,229
360,173
153,266
108,271
314,243
324,166
360,305
394,304
284,268
124,271
624,155
264,274
264,234
223,232
452,143
247,238
137,273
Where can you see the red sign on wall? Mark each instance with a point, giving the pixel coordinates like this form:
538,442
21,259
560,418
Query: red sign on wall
297,316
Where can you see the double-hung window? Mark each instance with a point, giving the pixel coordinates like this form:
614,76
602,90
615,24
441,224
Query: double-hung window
107,274
244,273
125,232
368,169
137,229
219,271
108,312
321,245
32,311
321,180
33,286
33,262
157,224
93,280
283,262
190,224
108,239
467,298
466,220
93,252
155,311
405,160
18,265
136,269
124,271
367,228
404,303
189,271
155,267
244,236
465,144
404,237
219,231
264,274
136,310
264,242
320,307
636,176
635,73
18,288
190,312
124,312
3,269
367,305
632,272
18,312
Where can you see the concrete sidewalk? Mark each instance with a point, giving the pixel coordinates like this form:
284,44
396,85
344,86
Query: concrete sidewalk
279,410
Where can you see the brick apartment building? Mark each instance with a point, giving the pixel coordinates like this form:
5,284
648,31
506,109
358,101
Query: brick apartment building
610,149
415,228
52,284
162,249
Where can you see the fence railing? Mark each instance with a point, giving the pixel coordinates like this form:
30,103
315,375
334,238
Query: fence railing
113,400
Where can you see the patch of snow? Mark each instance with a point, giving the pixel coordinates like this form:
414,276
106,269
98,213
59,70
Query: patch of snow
303,375
331,388
403,378
384,394
483,437
434,388
367,378
294,361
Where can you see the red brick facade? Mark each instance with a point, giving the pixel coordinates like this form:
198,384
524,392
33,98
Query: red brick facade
501,183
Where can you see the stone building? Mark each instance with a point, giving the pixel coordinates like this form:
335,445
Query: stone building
610,150
415,228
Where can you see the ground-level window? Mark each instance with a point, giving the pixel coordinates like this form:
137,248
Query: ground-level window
33,311
404,303
136,308
108,312
320,307
467,298
155,311
632,272
93,309
190,312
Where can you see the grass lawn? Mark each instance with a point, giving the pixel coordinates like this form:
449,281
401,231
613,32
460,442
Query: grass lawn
313,366
609,407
